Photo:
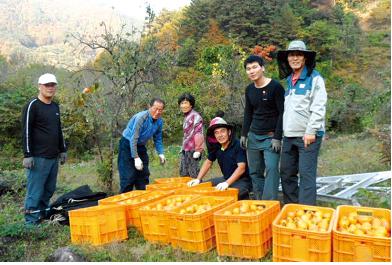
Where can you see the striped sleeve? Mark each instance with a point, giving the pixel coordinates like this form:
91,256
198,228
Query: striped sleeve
27,121
62,146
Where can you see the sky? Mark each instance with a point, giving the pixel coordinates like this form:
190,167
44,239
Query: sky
137,8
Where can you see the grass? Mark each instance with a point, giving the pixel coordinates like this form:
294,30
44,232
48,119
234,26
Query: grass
345,154
350,154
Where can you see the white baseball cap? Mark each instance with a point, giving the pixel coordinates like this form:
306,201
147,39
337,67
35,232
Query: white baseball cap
46,79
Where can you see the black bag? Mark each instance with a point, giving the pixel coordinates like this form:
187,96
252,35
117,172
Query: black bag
81,197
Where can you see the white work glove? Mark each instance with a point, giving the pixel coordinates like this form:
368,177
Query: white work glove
193,182
244,142
63,158
28,162
276,145
138,163
196,155
222,186
162,159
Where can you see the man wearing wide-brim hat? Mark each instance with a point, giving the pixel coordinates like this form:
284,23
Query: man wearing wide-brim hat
231,159
303,122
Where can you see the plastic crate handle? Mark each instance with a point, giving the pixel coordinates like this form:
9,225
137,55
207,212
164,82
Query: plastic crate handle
364,212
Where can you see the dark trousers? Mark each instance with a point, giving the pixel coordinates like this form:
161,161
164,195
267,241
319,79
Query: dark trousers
243,185
294,159
188,165
261,158
41,184
130,177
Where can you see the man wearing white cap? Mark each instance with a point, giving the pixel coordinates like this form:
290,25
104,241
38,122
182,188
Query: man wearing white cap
43,148
303,123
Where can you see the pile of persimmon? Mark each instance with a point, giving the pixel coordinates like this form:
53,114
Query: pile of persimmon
311,220
364,225
245,209
168,204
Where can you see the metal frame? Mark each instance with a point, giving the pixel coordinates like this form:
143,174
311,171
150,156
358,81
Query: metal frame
340,189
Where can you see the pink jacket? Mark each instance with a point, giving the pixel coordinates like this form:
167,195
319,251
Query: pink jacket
193,132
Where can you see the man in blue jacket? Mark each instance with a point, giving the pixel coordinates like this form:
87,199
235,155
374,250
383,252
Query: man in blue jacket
132,154
303,123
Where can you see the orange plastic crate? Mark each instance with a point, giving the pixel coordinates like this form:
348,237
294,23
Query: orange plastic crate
195,232
187,190
245,235
212,191
98,225
132,206
166,186
301,245
350,247
155,218
173,180
121,197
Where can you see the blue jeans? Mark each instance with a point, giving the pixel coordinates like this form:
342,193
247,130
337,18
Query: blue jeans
41,184
243,185
262,158
296,159
130,177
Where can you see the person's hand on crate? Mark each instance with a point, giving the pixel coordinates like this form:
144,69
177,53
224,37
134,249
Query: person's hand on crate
138,163
193,182
162,159
222,186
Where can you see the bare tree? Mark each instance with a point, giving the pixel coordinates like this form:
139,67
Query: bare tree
125,62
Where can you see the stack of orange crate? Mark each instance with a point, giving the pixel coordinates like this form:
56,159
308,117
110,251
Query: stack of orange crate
121,197
212,191
292,243
193,228
187,190
244,229
98,225
173,180
167,186
362,234
133,205
155,217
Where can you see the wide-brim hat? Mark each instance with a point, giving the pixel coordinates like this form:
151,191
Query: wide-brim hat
295,45
217,122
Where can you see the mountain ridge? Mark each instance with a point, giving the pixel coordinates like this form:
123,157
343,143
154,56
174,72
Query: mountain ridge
37,30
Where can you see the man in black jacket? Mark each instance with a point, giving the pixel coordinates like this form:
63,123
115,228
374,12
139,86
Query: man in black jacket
262,129
43,148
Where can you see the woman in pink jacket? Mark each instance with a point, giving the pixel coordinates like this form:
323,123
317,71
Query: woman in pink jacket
193,141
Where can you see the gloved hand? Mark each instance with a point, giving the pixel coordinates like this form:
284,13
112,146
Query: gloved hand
196,155
138,163
193,182
162,159
276,145
28,162
244,142
63,158
222,186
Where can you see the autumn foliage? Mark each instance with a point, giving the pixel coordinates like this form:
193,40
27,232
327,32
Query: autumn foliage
264,52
